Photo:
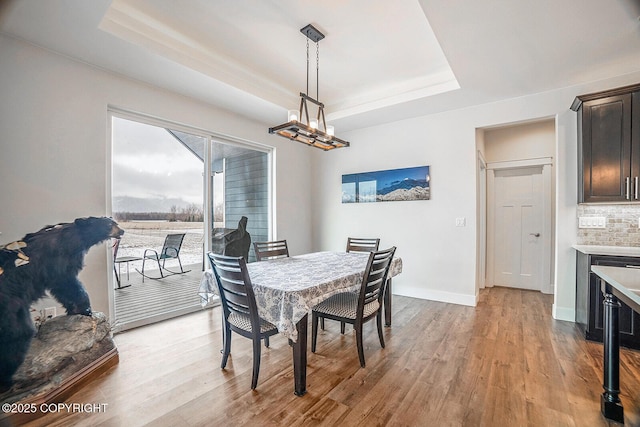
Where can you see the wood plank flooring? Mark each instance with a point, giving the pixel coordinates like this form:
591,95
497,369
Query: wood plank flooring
505,362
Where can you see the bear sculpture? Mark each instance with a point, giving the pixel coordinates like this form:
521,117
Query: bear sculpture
47,260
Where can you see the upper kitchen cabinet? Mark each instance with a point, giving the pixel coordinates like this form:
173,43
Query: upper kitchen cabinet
609,145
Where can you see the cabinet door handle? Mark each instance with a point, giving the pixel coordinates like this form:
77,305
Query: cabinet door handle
627,183
632,266
635,188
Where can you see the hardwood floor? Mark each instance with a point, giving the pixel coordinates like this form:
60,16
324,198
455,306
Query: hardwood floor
505,362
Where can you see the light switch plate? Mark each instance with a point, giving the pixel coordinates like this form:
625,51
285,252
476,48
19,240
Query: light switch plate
592,222
461,222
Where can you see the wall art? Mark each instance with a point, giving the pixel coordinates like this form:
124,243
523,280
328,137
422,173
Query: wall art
387,186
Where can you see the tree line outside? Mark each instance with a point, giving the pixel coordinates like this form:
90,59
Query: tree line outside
190,213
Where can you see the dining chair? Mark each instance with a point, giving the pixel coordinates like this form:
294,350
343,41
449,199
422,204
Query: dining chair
358,308
239,309
271,250
356,244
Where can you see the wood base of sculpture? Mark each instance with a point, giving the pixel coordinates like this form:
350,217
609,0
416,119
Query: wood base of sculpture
42,403
65,354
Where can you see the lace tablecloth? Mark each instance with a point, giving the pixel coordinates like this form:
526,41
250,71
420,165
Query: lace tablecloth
288,288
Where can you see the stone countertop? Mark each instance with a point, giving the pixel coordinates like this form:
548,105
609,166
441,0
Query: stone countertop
625,280
608,250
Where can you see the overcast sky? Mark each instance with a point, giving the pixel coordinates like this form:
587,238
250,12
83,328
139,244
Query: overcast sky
149,163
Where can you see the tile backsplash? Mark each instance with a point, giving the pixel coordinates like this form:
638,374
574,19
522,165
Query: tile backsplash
622,225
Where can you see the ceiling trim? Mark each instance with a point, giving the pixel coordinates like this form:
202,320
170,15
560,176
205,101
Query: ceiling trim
133,25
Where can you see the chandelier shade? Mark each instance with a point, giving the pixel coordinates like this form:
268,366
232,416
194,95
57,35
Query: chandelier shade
301,127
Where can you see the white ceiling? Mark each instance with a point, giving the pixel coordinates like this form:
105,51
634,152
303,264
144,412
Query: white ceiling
380,61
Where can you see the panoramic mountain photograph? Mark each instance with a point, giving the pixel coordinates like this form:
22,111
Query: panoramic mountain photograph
387,186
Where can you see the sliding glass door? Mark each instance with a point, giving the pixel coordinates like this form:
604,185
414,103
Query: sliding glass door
167,179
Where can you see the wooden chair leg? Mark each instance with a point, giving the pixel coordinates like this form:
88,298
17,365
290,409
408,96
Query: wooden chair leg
226,337
256,362
358,329
380,330
342,327
314,331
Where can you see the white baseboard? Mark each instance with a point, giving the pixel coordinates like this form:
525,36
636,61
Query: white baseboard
450,297
563,313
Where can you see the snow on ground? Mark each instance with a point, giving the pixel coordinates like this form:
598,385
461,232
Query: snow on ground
141,235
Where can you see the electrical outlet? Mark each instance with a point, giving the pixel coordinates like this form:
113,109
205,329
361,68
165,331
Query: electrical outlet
461,222
49,312
592,222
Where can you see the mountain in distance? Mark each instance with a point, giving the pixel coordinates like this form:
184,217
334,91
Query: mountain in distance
407,189
405,184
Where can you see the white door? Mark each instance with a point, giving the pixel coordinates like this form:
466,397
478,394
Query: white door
518,240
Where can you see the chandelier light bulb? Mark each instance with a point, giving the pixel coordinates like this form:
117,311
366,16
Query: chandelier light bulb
293,115
313,123
330,130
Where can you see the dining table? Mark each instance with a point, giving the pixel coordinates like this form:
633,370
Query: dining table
287,289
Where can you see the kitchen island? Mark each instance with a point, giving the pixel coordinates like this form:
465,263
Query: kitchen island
619,284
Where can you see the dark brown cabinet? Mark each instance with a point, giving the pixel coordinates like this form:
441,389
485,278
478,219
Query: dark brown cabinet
609,145
589,309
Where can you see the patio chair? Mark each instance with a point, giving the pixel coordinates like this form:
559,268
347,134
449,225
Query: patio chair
239,309
119,261
170,250
358,308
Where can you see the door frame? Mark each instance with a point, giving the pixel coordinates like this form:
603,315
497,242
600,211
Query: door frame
545,163
482,222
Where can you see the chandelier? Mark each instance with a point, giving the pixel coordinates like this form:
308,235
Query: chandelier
312,131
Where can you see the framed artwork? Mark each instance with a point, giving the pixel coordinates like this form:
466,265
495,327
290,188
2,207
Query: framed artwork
387,186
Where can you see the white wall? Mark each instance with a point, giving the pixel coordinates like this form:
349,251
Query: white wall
54,157
439,259
520,142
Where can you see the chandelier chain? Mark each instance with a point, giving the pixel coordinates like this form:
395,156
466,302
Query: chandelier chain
317,71
307,65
